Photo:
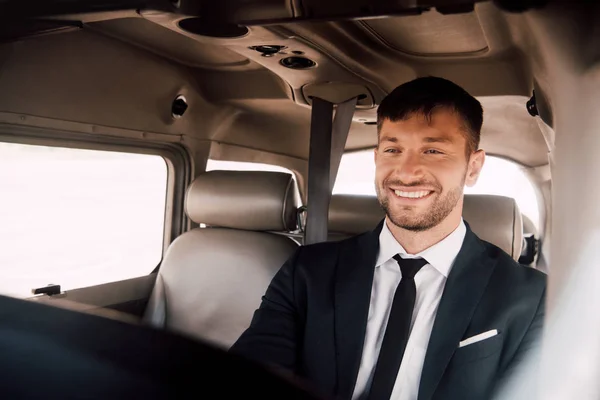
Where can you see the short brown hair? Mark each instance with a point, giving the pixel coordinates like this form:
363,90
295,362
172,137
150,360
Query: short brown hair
424,96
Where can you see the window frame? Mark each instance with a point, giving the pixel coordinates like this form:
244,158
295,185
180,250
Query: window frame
176,157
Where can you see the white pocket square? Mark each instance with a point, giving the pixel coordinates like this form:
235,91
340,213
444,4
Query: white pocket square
478,338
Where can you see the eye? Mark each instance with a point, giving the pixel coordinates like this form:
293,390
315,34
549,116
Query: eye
390,150
433,151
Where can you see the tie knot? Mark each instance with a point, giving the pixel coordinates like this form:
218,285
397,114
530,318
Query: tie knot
410,266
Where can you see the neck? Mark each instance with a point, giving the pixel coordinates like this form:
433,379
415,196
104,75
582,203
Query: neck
415,242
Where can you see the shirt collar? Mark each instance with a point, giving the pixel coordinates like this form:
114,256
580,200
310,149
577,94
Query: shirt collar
441,255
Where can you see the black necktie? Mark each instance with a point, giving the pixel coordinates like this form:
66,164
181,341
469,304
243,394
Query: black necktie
397,330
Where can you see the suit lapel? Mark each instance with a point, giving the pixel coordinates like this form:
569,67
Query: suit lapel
354,279
465,286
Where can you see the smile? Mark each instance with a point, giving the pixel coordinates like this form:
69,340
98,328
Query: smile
412,195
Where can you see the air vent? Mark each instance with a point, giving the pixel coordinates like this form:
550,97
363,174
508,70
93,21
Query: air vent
298,63
205,27
179,107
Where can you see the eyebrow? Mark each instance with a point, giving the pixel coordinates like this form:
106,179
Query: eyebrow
438,139
388,139
430,139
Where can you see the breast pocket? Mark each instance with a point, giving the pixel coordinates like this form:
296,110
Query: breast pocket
478,350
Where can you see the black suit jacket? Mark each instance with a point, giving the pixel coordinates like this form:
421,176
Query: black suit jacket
313,317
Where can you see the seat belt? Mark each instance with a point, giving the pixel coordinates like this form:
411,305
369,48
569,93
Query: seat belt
327,143
339,135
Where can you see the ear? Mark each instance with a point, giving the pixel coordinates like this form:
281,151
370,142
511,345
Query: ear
476,161
375,155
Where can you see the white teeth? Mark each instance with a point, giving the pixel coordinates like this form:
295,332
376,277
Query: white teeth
411,195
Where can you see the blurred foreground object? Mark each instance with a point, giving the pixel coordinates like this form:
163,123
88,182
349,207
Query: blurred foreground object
53,352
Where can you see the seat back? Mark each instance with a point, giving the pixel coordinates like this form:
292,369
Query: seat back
211,279
495,219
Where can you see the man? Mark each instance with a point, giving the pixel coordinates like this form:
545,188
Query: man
419,308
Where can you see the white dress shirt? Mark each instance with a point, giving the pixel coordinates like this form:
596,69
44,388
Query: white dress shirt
430,282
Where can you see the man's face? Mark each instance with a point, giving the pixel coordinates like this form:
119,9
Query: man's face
422,168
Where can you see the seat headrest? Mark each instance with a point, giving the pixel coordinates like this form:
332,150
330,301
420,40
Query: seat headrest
495,219
249,200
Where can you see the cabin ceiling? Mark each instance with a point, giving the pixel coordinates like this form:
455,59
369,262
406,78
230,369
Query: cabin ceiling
124,69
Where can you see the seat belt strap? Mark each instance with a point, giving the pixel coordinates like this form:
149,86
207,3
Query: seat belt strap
319,161
339,135
327,143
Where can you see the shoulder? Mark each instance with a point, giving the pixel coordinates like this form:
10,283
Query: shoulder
513,274
325,255
330,248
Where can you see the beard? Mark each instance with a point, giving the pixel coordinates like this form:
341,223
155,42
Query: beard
406,218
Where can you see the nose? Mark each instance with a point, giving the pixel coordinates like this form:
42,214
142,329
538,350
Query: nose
409,168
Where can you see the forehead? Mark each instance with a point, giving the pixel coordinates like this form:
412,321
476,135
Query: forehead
441,124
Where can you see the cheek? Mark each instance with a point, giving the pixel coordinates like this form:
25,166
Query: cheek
383,169
380,177
448,176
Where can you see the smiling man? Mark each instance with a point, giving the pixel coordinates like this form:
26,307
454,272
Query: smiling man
419,308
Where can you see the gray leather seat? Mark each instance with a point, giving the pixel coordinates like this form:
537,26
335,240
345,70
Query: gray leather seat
495,219
211,279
